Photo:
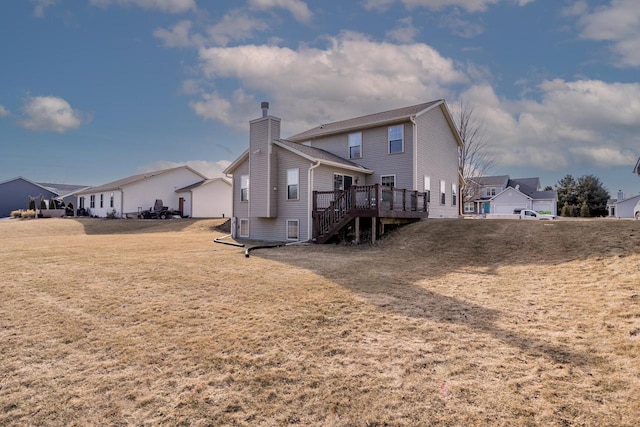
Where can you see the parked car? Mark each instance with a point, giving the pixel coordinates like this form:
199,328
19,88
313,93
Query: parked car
529,214
636,211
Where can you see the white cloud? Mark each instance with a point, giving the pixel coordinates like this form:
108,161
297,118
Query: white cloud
208,169
178,36
297,8
3,111
459,26
315,84
576,9
49,113
234,26
405,31
40,6
170,6
618,23
585,121
468,5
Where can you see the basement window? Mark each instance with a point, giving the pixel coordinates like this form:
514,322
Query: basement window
293,229
244,227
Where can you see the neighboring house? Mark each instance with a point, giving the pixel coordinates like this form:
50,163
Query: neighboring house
623,207
381,168
210,198
636,169
503,195
129,196
16,192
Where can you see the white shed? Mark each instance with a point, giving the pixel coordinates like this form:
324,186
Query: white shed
211,198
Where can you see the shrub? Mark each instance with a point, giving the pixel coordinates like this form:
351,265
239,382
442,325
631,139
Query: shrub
52,204
584,210
43,204
31,213
32,204
16,214
112,214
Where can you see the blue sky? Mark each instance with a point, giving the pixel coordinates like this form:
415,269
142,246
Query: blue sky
93,91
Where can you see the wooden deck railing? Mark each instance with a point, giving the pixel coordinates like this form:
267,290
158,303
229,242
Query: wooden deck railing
332,210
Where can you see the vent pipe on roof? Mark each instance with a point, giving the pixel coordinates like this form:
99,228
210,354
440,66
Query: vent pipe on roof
620,195
265,109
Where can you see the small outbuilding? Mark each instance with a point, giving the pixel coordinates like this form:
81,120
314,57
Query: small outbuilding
211,198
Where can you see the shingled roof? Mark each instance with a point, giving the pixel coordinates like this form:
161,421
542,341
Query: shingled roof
319,155
376,119
120,183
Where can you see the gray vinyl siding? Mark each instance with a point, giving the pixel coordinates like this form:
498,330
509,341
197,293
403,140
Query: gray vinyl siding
274,229
375,154
262,132
15,195
437,158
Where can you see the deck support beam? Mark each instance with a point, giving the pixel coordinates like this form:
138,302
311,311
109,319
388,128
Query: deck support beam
374,229
357,223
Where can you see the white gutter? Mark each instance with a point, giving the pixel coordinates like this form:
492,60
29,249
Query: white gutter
415,152
310,200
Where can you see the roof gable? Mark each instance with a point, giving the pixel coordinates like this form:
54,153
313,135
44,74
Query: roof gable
202,184
636,169
370,120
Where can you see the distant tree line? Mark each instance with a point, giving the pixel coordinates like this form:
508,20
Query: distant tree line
583,197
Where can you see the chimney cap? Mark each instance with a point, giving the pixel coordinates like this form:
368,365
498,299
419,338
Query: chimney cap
264,104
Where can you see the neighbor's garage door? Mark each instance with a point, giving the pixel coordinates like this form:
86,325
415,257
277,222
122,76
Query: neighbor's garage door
543,207
508,209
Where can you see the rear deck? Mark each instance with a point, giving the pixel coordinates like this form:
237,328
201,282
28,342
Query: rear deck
335,210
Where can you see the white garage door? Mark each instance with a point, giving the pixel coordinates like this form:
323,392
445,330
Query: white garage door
508,209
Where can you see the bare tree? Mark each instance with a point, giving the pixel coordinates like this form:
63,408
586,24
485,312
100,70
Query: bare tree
474,158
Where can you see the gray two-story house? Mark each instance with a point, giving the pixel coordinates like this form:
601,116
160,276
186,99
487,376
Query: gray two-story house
380,169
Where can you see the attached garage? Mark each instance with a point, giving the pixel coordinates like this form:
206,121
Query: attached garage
509,200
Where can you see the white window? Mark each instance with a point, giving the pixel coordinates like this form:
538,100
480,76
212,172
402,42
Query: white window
293,229
111,200
102,200
468,207
443,192
81,202
92,201
244,227
355,145
292,184
244,188
427,187
491,191
388,180
342,182
396,140
454,195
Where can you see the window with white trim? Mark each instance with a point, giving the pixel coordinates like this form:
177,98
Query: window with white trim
491,191
427,187
244,227
292,184
443,193
388,180
244,188
468,207
396,139
111,200
293,229
355,145
102,200
92,201
454,195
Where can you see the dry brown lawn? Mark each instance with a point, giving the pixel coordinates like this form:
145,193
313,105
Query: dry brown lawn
444,322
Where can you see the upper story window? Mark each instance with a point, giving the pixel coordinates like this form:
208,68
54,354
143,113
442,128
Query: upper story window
292,184
244,188
491,191
388,180
355,145
396,139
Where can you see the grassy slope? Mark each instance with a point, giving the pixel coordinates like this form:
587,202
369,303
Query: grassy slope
442,323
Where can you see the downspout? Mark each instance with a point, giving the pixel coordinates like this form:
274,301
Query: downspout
310,200
415,153
121,203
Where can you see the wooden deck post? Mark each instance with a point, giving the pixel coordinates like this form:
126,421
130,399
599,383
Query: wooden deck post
357,221
374,229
